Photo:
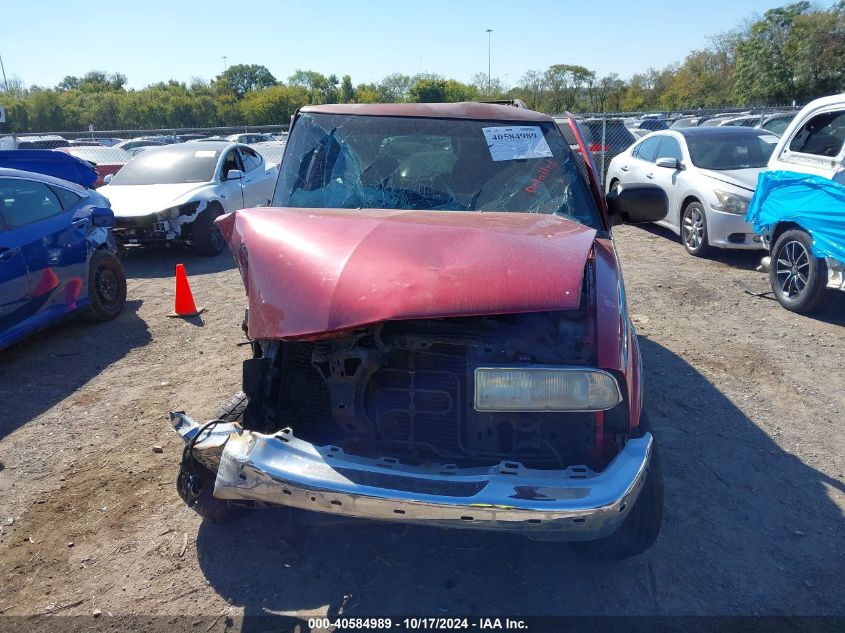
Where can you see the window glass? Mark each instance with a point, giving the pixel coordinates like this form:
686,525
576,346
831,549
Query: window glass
232,161
353,162
66,198
251,158
778,126
742,149
670,148
27,201
823,135
647,150
169,165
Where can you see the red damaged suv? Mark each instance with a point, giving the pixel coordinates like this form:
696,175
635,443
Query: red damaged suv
439,334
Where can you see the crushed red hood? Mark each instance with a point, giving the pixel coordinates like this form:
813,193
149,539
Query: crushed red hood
315,271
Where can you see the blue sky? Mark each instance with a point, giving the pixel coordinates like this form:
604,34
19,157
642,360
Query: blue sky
41,41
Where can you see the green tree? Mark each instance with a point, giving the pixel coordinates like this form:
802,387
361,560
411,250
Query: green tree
321,89
243,78
704,80
603,91
816,43
564,84
457,91
765,70
487,89
428,90
347,92
532,86
394,88
367,93
272,106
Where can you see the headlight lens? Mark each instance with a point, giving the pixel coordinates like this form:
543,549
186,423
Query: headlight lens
188,208
545,389
731,202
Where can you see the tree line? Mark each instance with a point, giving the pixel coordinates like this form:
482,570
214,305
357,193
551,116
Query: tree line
792,53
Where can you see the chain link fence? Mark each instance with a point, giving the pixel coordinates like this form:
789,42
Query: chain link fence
609,134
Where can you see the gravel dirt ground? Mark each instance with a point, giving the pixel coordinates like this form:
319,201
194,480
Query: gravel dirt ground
745,398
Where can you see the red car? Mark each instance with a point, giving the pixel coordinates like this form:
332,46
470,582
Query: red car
439,333
106,160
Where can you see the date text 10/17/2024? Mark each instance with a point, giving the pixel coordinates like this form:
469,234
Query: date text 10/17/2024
417,623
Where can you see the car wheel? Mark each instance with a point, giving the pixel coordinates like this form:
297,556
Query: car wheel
694,229
615,186
195,482
641,527
207,238
233,409
798,277
106,287
195,486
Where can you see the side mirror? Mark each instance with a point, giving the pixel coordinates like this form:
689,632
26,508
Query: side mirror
234,174
637,204
102,217
669,163
107,178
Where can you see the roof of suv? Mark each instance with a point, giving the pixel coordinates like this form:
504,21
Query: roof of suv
463,110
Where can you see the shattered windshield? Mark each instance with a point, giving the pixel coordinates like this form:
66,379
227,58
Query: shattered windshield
375,162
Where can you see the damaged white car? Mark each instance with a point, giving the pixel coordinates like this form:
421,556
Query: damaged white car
172,194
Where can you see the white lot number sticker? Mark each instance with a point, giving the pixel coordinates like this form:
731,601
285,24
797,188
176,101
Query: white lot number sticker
205,153
515,143
769,139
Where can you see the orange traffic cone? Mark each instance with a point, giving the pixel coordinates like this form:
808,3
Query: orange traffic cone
184,305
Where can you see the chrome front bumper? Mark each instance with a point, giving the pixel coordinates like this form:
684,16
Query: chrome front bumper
572,504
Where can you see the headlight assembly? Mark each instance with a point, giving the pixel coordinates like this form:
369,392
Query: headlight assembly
731,202
189,208
545,388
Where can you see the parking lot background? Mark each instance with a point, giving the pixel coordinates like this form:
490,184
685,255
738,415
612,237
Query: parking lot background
742,394
604,132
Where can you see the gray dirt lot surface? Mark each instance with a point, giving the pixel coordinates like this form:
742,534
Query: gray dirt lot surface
746,400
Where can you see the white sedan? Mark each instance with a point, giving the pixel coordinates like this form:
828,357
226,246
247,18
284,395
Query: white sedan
709,175
172,194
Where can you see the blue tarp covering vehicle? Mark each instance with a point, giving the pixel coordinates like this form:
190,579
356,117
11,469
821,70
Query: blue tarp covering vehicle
803,219
815,203
50,163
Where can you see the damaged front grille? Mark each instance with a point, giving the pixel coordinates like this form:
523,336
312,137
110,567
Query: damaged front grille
404,390
418,398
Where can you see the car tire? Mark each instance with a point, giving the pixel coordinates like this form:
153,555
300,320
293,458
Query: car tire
195,486
798,277
106,286
694,230
195,482
207,238
233,409
641,527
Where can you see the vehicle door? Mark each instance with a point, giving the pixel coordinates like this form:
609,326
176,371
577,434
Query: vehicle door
14,283
667,178
231,190
818,146
634,167
53,242
257,183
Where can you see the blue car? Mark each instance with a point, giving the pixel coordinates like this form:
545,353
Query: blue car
57,253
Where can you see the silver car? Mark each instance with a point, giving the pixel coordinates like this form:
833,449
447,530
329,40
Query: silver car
709,175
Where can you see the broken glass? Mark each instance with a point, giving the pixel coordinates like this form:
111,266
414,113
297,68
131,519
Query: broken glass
407,163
